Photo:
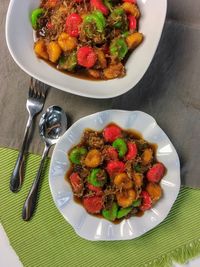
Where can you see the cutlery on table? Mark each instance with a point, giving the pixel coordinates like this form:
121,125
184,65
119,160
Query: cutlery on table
34,104
52,125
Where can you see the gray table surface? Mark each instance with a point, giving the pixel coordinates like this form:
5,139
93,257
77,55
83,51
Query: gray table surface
169,91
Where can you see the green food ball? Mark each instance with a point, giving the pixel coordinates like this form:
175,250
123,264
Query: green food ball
121,146
76,154
137,203
119,48
36,13
92,178
123,212
68,62
111,214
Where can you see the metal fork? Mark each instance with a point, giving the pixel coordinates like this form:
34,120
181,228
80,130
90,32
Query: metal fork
34,104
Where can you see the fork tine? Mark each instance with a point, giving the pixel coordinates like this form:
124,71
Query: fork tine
43,89
37,89
31,88
34,87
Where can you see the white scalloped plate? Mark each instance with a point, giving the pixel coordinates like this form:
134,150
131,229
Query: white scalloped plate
19,37
91,227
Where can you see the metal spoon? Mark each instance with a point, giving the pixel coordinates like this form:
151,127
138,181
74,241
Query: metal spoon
52,125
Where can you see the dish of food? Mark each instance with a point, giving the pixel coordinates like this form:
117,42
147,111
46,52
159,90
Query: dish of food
90,39
96,227
115,173
20,45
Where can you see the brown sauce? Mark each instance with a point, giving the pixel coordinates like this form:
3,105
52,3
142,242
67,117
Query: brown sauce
129,132
80,73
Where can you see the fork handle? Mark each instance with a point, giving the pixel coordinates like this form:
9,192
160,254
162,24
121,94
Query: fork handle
31,200
16,179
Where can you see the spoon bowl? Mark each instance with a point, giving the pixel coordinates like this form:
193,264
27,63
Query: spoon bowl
52,125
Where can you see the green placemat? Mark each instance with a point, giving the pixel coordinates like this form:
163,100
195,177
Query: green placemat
48,240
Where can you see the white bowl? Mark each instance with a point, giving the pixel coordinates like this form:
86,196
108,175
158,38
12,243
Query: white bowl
19,36
91,227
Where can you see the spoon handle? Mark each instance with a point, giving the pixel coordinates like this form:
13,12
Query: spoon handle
16,178
31,200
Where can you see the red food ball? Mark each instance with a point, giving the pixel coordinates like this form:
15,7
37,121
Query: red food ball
73,22
86,56
114,167
132,151
93,204
76,183
98,4
146,201
156,173
95,189
111,153
132,22
111,132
